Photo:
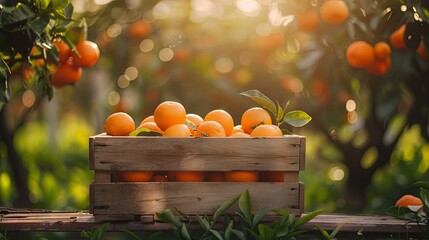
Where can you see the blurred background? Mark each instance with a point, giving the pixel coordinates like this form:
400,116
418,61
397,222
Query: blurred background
367,142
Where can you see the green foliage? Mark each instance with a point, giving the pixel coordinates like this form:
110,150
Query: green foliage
96,233
28,25
248,226
296,118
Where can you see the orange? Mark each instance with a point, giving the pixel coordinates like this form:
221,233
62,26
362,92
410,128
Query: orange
360,54
195,119
119,124
65,74
266,130
159,178
334,12
242,176
422,51
382,50
272,176
169,113
308,20
171,176
408,200
240,134
150,126
148,119
210,129
222,117
254,117
236,129
379,67
136,176
397,38
63,49
215,176
88,54
189,176
138,30
177,130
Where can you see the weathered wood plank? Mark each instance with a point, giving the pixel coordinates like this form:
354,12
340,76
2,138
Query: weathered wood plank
76,221
190,198
197,154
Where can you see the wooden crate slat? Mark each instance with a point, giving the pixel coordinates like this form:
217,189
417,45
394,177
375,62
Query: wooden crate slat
190,198
215,154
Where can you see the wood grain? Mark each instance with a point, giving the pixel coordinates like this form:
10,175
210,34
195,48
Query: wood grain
197,154
190,198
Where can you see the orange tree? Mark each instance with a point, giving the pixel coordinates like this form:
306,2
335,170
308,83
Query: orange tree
364,96
41,47
349,64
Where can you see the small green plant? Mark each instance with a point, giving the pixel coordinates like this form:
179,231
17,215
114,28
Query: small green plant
295,118
96,233
242,225
413,214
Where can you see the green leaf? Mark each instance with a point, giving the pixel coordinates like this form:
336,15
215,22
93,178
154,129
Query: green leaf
306,218
4,88
265,232
203,222
223,207
216,234
261,99
184,232
259,216
421,184
403,213
239,234
283,228
39,24
59,4
155,235
228,230
297,118
98,232
279,114
324,233
168,217
144,132
424,195
245,205
337,230
131,234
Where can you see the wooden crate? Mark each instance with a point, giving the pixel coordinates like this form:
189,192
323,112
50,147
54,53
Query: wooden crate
123,200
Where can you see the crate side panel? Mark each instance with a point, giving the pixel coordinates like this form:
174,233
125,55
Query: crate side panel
215,154
190,198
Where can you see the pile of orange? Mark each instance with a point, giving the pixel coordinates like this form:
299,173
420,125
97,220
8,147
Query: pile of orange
170,119
375,59
69,66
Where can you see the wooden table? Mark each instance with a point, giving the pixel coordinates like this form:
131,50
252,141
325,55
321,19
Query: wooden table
23,220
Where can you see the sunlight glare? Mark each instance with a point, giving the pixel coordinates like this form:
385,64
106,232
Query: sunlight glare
248,7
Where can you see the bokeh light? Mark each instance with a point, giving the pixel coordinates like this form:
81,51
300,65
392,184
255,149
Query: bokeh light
224,65
28,98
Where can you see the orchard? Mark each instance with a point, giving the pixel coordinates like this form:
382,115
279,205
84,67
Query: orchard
357,69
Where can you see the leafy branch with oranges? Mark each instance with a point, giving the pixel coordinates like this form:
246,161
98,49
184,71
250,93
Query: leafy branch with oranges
43,46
